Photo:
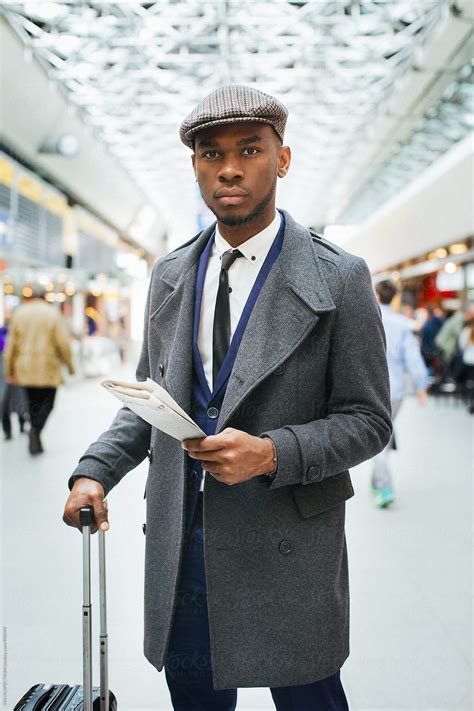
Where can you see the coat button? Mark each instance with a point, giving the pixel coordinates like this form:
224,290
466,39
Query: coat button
194,475
280,370
285,547
150,455
314,473
213,412
161,368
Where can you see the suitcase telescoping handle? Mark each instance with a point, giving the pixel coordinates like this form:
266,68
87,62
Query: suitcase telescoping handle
87,519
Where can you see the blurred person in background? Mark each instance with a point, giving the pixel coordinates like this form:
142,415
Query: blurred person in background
447,340
37,346
408,310
14,398
466,351
428,333
403,357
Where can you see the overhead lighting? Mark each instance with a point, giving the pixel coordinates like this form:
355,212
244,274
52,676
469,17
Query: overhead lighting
458,248
450,267
66,145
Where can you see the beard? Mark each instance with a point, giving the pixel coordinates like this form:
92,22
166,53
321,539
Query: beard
234,221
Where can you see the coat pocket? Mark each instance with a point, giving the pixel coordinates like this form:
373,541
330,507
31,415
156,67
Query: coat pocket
312,499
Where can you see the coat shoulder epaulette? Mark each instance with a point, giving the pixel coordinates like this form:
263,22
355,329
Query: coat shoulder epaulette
329,246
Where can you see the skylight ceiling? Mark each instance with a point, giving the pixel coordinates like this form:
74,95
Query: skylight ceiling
133,70
441,126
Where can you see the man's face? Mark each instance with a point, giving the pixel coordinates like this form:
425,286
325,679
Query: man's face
236,167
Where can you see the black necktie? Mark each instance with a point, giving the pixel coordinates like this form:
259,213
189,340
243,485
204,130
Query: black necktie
221,328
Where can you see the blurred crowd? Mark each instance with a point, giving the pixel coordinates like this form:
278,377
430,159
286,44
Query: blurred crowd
446,340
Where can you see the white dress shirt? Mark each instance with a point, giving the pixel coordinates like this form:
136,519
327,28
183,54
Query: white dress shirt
242,275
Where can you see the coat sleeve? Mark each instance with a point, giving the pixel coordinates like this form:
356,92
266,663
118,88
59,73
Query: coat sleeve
357,424
125,444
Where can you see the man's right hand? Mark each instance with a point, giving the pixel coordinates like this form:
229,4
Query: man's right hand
87,492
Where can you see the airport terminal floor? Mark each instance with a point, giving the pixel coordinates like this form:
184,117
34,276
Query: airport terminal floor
410,601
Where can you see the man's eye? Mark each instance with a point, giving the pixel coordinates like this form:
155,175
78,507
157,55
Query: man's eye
210,154
250,151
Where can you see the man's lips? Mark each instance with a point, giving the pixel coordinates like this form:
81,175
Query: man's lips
231,197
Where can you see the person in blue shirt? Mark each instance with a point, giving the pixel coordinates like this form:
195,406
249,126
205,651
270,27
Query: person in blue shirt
404,358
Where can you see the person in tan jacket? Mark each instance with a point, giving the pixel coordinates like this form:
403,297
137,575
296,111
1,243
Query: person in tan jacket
37,346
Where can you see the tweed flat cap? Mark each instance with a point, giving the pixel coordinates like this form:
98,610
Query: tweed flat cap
232,104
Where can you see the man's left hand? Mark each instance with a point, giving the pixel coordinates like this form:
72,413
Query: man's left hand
232,456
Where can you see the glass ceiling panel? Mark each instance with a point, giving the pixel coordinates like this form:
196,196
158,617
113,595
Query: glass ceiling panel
134,69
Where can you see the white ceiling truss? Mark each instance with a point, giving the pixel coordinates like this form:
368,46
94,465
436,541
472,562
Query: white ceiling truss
133,70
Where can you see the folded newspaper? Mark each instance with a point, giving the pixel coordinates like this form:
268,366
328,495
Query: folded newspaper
154,405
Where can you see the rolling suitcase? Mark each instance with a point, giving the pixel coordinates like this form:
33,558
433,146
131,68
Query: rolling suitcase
62,697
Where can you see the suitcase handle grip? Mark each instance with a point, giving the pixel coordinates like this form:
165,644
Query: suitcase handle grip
86,516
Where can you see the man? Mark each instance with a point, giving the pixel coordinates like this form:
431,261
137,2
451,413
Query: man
404,358
271,339
37,347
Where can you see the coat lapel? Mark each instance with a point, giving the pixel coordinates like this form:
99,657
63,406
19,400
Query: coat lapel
176,317
287,309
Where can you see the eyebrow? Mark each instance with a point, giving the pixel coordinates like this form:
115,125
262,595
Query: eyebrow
247,141
209,143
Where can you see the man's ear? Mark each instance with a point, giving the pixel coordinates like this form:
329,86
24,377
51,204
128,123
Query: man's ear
193,160
284,160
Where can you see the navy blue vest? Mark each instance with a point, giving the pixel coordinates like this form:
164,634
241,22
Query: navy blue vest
206,405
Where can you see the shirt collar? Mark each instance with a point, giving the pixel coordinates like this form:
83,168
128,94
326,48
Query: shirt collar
254,249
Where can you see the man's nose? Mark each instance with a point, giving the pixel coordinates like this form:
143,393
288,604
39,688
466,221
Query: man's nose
230,170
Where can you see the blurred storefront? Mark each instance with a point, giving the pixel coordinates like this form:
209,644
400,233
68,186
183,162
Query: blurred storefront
443,277
89,272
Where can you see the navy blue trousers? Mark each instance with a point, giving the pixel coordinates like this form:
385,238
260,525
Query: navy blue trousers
188,666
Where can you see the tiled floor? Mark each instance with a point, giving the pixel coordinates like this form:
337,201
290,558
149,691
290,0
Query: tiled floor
410,568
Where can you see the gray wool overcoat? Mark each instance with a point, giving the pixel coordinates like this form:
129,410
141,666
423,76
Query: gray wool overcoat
311,373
